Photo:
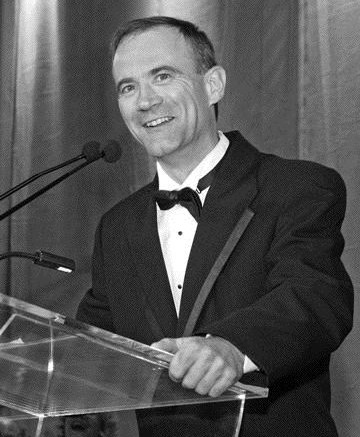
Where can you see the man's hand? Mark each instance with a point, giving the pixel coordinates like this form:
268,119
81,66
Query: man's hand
209,365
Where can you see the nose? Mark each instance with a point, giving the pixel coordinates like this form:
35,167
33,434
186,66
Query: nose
148,97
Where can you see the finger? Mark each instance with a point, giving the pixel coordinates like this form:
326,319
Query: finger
184,359
222,384
206,376
196,373
205,366
166,344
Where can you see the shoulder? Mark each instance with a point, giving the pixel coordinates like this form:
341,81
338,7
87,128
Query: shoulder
298,174
288,174
300,187
130,206
286,184
298,181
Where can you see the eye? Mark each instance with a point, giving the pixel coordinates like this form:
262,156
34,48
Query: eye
163,77
126,89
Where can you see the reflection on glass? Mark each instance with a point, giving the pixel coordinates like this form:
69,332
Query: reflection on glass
54,366
88,425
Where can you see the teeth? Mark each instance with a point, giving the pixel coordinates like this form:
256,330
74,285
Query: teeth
158,121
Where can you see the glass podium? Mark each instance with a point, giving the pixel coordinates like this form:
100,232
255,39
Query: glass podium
60,377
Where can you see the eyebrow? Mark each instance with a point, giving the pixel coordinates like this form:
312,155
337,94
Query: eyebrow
152,72
165,67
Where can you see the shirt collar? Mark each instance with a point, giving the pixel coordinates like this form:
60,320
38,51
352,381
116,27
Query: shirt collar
207,164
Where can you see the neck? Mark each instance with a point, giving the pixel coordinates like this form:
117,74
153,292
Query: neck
179,167
178,174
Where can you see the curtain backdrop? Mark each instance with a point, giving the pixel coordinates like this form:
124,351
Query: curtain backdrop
293,89
57,94
329,127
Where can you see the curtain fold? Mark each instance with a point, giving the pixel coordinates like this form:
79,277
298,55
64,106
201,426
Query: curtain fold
260,55
8,59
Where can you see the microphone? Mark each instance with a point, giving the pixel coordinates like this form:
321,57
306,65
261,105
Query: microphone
90,152
110,153
45,259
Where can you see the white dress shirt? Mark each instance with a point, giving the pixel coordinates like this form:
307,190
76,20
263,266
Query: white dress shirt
177,227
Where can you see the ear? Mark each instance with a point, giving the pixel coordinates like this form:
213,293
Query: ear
215,81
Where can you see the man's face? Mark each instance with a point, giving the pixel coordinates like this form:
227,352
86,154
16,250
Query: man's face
164,102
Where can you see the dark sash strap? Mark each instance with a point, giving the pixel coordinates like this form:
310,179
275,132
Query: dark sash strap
216,269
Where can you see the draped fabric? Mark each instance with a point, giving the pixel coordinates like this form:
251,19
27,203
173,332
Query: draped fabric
57,94
329,132
293,89
7,66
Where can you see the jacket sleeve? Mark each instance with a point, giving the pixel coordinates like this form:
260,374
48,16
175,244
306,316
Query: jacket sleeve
307,301
94,307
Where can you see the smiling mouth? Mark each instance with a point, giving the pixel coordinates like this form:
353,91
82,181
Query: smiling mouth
158,122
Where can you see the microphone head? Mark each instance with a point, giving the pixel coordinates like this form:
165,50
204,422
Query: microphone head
91,151
112,151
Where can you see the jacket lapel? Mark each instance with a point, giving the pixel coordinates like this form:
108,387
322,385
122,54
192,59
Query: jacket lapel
232,191
146,251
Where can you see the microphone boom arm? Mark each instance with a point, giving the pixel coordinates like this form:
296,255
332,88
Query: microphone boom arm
43,190
38,175
111,153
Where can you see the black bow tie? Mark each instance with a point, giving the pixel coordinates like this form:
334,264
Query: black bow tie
186,197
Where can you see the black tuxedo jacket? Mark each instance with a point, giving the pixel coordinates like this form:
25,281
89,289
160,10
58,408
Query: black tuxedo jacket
282,297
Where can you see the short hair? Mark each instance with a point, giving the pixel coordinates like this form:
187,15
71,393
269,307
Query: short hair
203,49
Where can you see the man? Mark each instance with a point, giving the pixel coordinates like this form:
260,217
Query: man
243,273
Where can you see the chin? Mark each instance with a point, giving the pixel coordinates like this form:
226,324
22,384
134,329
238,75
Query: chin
158,150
